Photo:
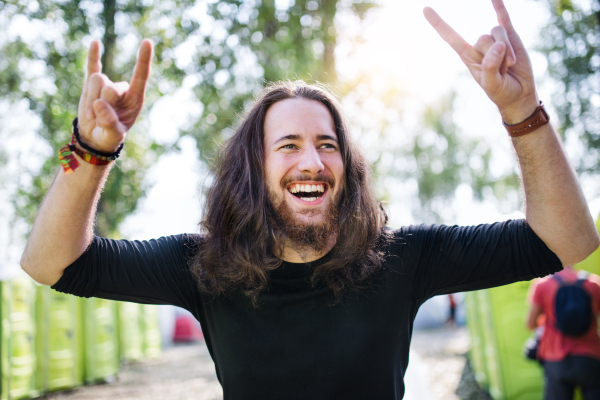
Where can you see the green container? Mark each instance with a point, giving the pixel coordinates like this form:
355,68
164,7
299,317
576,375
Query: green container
592,263
19,364
60,333
520,378
490,350
152,338
131,340
100,340
476,352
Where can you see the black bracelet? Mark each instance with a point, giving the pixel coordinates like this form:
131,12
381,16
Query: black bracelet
97,153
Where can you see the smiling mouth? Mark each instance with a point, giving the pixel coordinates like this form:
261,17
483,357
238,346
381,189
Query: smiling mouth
308,192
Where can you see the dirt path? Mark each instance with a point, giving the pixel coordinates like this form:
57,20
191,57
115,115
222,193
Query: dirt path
437,371
183,372
448,374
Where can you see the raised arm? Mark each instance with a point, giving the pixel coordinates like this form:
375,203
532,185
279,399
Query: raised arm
555,207
63,228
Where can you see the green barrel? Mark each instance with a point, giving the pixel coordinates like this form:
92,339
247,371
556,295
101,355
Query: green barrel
152,338
131,340
592,263
490,350
521,379
60,330
18,353
101,356
476,352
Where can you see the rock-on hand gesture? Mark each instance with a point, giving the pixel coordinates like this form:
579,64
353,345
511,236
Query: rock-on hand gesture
107,110
498,62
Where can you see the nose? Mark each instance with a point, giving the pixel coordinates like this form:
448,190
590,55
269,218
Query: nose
311,161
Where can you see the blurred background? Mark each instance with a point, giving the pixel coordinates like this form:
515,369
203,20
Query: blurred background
438,149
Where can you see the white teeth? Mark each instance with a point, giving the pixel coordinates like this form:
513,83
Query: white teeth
308,198
307,188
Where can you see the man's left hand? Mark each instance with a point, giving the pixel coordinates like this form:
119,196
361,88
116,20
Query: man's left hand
498,62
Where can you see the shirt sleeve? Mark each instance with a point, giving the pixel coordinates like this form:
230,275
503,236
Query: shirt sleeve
447,259
538,292
148,272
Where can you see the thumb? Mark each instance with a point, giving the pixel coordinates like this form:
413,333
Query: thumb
109,131
491,63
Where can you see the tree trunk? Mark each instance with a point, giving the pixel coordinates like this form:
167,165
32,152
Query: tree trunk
108,68
329,40
110,38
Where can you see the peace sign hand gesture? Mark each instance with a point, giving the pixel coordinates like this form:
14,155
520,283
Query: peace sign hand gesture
498,62
107,110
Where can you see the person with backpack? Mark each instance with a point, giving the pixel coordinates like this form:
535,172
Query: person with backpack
568,305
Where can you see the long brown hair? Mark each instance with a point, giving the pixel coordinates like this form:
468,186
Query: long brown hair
238,247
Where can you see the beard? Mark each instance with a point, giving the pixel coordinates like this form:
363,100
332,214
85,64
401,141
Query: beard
302,235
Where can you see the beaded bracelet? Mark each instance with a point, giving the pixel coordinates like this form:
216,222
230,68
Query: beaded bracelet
88,154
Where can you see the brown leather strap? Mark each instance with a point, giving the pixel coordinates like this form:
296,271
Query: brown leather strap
537,119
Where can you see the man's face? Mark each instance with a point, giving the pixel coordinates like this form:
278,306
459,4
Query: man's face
303,163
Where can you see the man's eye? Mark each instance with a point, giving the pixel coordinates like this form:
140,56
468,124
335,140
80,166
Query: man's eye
288,146
328,146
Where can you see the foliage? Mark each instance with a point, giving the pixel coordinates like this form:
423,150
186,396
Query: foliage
257,42
570,43
421,164
233,48
56,50
224,52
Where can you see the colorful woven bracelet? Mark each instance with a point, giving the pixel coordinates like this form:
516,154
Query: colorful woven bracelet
88,154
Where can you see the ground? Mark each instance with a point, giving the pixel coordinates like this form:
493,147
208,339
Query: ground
439,364
438,370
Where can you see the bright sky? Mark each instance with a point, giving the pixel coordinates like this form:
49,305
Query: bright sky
399,44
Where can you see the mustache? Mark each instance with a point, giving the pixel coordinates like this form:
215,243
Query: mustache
305,177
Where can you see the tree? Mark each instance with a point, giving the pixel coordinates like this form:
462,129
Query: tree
257,42
53,94
247,44
223,51
570,43
422,164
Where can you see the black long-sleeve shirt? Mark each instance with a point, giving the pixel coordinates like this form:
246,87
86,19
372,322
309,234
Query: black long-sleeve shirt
296,344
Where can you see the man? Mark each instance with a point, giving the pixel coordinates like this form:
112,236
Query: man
569,361
300,289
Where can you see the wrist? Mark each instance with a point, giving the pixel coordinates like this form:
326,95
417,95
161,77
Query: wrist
85,145
520,110
86,153
102,155
536,120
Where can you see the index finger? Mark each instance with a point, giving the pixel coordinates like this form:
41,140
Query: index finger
448,34
142,68
503,17
93,60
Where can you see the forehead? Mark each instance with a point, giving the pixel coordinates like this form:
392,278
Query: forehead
299,116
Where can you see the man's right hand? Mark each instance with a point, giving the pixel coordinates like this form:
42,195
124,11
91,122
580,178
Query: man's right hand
107,110
64,226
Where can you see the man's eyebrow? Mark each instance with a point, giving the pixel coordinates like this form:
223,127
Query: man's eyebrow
287,137
298,137
327,137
